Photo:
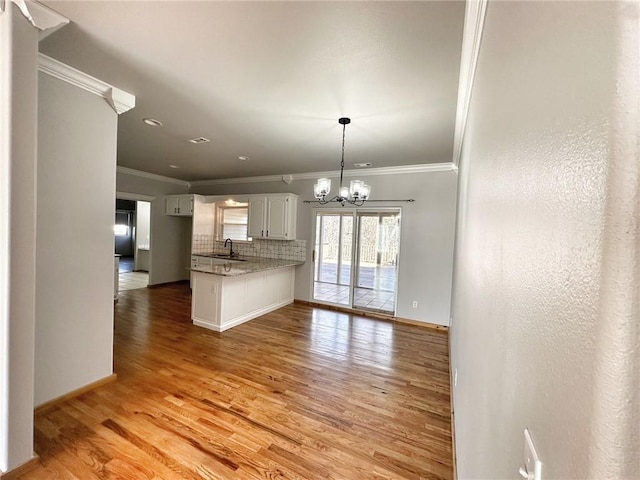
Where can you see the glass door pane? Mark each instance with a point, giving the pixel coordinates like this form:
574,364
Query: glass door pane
333,253
377,261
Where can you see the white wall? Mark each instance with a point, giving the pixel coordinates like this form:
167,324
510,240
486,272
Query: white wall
170,245
18,90
204,215
426,237
143,231
76,196
545,305
151,185
143,220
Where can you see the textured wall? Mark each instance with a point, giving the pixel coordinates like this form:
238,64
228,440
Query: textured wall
545,309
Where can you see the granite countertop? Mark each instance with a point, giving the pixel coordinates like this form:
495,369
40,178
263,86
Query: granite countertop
248,265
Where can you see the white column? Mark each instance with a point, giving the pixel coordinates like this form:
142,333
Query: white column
18,120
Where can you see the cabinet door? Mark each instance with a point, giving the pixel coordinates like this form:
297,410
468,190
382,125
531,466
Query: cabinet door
172,205
205,299
257,214
277,217
185,205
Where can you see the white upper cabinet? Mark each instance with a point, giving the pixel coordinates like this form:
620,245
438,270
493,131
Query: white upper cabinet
257,217
277,212
273,216
179,205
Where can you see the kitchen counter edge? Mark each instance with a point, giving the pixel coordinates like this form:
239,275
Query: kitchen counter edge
249,265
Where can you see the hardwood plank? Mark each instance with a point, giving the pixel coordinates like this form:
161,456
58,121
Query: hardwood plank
298,393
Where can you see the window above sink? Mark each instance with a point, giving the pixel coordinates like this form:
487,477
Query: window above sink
231,220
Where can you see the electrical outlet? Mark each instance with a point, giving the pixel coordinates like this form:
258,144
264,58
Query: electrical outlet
455,377
415,304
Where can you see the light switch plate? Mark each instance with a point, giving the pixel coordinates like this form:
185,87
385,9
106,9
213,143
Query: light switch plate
532,463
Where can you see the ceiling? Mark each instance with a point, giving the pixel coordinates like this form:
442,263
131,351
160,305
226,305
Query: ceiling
269,80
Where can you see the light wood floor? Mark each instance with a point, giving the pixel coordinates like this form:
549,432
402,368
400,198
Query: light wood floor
132,280
300,393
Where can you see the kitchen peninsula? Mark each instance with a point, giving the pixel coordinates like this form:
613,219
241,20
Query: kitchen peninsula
228,292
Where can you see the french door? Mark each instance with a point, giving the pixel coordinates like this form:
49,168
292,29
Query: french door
356,258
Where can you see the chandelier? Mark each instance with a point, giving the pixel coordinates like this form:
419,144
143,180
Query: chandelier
356,194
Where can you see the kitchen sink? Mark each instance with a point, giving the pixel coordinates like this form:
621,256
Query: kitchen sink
223,260
213,259
228,257
221,256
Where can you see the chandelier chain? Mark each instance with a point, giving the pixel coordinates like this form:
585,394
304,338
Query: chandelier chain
344,127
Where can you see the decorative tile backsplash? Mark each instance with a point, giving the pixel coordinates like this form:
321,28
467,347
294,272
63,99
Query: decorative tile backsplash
282,249
259,247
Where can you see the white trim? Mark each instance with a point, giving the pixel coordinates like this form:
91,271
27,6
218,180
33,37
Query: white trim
242,318
151,176
429,167
44,19
422,168
6,126
134,196
473,26
119,100
221,181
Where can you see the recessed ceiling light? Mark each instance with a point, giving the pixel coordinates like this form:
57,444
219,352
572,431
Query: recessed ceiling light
174,166
199,140
152,122
243,158
362,165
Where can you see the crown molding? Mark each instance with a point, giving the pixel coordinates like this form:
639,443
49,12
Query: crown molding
404,169
137,197
43,18
472,37
220,181
423,168
119,100
151,176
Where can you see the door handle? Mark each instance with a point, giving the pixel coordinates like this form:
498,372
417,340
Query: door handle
313,255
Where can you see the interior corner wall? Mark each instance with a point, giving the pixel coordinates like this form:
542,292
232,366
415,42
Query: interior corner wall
128,183
546,273
18,122
170,245
426,237
76,198
170,237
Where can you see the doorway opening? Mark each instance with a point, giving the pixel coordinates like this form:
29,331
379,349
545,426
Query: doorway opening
131,237
356,258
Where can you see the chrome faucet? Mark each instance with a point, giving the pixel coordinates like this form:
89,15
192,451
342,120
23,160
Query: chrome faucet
231,252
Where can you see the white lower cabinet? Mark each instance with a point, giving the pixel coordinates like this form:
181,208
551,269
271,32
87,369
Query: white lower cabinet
219,302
